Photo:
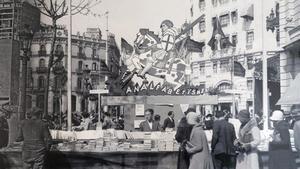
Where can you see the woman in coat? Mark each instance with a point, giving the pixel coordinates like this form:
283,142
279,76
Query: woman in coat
249,139
197,147
280,150
182,136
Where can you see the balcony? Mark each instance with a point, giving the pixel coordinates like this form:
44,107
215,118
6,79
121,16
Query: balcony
42,53
79,90
79,71
95,73
81,55
41,70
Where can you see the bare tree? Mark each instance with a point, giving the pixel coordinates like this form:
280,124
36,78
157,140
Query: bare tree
55,10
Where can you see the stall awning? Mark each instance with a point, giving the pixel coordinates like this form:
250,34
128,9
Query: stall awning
292,93
123,100
248,13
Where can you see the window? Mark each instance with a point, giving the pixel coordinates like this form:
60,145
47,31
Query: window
42,48
201,5
94,66
234,40
224,86
73,103
42,63
224,20
41,82
80,65
79,83
250,62
249,84
224,66
224,42
249,39
94,52
202,26
234,17
215,67
40,101
202,68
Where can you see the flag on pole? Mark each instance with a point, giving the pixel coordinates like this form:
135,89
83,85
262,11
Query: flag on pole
190,44
218,39
126,47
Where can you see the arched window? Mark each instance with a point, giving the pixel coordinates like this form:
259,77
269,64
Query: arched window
80,65
41,82
224,86
42,63
40,101
79,83
42,51
42,47
28,101
94,66
59,50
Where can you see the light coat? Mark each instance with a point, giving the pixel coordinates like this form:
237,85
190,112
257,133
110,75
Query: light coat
200,157
249,160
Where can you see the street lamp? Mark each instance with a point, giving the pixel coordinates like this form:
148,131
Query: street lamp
25,36
87,85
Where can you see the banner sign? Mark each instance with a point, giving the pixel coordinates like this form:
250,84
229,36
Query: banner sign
158,89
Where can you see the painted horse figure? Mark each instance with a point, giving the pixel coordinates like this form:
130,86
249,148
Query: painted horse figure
149,58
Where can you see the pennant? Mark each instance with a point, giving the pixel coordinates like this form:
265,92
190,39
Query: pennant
239,70
126,47
218,39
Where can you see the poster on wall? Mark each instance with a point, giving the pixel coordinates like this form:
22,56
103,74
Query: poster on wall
139,109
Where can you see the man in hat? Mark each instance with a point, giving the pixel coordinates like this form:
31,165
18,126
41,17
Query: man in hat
36,137
222,143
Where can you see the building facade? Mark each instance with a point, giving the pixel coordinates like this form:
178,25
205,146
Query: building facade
290,41
88,60
229,70
14,15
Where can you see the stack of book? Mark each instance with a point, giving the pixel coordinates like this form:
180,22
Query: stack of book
161,145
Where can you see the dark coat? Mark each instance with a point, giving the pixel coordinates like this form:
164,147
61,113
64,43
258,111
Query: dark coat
280,151
36,137
168,123
144,126
223,138
182,135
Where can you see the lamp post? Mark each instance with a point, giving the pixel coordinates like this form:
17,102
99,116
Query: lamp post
26,36
87,85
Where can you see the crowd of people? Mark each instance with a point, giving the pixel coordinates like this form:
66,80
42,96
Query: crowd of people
230,150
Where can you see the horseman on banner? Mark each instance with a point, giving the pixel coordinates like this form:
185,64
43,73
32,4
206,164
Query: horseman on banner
164,48
162,58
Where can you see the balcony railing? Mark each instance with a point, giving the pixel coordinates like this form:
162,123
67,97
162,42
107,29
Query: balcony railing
41,69
42,53
95,72
81,55
79,71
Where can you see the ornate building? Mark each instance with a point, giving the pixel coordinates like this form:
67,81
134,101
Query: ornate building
88,69
289,58
236,39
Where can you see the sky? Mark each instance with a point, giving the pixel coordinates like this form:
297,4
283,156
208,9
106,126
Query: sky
126,17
